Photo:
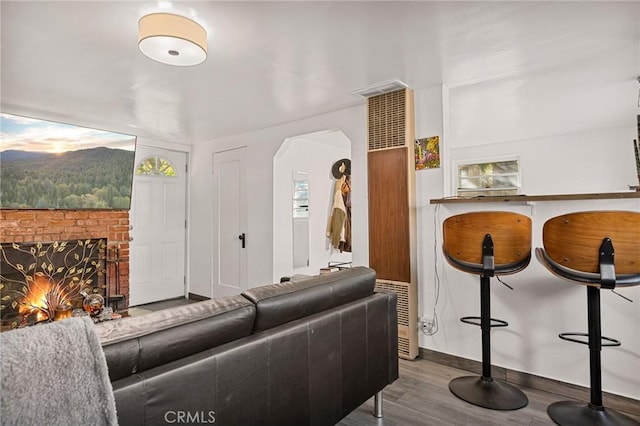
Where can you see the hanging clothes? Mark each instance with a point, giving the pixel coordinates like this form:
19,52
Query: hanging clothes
339,226
335,227
345,244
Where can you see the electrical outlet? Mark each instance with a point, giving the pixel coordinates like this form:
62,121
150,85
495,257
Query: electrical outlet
425,323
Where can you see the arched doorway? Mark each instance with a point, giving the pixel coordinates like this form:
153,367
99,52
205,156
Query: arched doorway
298,236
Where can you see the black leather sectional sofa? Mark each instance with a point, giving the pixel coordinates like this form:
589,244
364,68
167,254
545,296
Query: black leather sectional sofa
295,353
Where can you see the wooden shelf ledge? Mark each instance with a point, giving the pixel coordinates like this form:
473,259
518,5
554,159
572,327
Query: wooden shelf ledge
525,198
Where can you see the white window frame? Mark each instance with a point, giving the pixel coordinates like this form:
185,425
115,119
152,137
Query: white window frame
486,191
300,204
156,172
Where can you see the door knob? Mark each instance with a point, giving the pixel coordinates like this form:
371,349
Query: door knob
243,238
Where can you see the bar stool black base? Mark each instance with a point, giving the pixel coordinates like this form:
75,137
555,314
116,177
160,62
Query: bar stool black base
570,413
488,393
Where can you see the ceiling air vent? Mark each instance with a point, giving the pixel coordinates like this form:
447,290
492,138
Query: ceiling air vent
380,88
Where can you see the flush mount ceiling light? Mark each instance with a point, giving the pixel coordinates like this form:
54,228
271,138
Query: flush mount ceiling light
172,39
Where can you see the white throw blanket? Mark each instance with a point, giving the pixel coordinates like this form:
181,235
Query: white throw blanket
55,374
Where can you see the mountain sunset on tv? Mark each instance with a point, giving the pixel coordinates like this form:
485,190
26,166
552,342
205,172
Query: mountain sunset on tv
49,165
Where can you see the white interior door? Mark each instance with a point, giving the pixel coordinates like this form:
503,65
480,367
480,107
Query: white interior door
230,223
158,226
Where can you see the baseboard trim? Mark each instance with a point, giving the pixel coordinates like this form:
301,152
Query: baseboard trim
193,296
568,390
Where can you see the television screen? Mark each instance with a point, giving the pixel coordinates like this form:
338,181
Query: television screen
48,165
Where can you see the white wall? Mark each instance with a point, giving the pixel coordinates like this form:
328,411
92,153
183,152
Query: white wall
262,146
573,131
313,154
583,115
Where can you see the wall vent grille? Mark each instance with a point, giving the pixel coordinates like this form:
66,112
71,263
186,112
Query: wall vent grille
407,339
403,348
380,88
402,290
387,118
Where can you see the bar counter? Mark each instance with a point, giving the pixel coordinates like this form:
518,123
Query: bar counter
526,198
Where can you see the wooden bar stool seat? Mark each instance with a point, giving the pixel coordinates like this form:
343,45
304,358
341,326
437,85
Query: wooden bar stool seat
598,249
487,244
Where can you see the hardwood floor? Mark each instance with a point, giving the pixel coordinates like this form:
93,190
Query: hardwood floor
157,306
421,396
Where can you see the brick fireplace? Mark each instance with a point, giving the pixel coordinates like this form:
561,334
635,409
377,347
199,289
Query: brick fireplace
23,226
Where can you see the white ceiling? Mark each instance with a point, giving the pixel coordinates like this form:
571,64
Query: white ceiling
275,62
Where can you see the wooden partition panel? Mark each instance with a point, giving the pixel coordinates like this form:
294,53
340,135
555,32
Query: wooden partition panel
392,216
389,251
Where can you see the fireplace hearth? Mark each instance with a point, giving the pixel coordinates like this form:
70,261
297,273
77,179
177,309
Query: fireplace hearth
42,281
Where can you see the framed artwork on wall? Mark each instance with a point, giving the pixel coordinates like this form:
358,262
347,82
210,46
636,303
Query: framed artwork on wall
427,153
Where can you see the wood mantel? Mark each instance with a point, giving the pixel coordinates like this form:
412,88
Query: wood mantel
525,198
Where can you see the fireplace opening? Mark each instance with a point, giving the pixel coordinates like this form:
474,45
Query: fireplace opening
45,281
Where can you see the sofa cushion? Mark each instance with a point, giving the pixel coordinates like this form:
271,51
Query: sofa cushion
288,301
137,344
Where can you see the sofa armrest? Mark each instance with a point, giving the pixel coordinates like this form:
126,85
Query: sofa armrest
392,321
136,344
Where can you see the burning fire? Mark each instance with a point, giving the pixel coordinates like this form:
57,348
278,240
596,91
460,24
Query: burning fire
45,281
42,299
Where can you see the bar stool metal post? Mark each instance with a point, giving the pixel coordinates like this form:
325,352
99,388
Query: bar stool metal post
487,244
598,249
